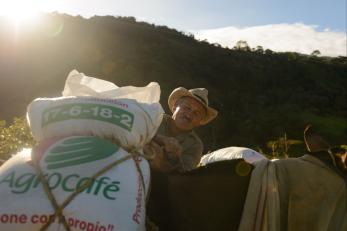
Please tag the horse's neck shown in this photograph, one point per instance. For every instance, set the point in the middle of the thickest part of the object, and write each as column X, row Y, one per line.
column 334, row 161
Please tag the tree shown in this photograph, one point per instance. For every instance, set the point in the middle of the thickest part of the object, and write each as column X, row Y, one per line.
column 259, row 49
column 268, row 52
column 315, row 53
column 242, row 45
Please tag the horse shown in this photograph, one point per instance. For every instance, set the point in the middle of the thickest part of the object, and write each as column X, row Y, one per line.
column 212, row 197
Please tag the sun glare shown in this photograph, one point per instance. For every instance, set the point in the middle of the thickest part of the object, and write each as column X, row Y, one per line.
column 19, row 11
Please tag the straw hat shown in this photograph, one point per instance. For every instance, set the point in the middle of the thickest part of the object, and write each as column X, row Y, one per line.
column 200, row 94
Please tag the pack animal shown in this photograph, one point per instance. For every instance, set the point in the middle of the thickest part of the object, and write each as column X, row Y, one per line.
column 213, row 197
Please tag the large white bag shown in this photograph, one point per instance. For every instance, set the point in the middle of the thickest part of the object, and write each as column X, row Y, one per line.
column 90, row 106
column 230, row 153
column 114, row 201
column 78, row 84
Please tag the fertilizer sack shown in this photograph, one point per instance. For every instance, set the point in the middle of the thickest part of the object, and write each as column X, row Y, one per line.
column 90, row 106
column 130, row 123
column 113, row 201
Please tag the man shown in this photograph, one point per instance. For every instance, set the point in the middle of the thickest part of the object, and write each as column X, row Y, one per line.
column 176, row 146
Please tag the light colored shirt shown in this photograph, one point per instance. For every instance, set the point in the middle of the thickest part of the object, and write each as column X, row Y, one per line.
column 192, row 146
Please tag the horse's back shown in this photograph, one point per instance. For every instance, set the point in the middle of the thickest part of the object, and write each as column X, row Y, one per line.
column 207, row 198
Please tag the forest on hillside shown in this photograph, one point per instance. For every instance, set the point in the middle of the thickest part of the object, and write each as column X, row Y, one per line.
column 261, row 95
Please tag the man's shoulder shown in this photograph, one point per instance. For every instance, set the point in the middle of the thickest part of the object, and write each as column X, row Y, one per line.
column 191, row 139
column 196, row 137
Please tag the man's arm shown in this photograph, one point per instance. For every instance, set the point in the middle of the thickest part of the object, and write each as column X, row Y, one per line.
column 190, row 157
column 171, row 156
column 163, row 161
column 172, row 148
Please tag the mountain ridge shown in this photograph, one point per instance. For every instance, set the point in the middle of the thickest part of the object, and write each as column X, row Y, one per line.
column 260, row 95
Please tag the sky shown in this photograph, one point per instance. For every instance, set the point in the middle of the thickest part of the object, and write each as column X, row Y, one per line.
column 280, row 25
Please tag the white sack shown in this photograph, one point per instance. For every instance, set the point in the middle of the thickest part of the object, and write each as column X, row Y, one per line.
column 130, row 123
column 114, row 201
column 78, row 84
column 91, row 106
column 229, row 153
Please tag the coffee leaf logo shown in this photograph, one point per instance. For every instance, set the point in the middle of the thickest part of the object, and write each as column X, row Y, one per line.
column 79, row 150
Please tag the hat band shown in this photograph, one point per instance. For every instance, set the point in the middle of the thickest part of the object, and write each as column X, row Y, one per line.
column 202, row 99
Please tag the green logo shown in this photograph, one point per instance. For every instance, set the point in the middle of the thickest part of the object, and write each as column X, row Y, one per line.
column 79, row 150
column 89, row 111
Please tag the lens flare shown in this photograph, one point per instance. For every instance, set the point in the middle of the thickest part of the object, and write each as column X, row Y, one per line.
column 19, row 11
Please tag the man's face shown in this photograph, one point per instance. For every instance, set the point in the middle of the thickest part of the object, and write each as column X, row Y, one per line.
column 188, row 113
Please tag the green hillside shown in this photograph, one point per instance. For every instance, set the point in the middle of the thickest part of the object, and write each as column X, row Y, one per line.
column 261, row 95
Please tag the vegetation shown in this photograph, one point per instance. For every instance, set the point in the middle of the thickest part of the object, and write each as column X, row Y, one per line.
column 260, row 94
column 280, row 147
column 14, row 137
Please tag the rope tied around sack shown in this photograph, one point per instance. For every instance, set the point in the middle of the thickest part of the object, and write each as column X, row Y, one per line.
column 59, row 208
column 51, row 198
